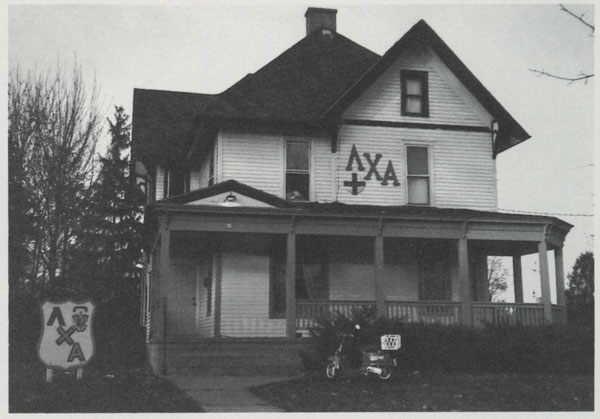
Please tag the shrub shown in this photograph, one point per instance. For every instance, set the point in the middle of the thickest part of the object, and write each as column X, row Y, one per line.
column 552, row 349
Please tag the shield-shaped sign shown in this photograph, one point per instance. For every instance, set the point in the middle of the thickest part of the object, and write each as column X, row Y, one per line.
column 67, row 341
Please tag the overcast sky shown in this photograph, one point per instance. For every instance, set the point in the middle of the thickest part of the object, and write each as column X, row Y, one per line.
column 205, row 48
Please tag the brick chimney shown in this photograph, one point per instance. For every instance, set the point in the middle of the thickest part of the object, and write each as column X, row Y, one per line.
column 319, row 18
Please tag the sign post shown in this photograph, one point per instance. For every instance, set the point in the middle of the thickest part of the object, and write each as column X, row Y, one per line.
column 67, row 342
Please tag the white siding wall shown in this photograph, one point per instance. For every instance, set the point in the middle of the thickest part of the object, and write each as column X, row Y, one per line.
column 462, row 168
column 449, row 102
column 205, row 324
column 195, row 179
column 322, row 170
column 204, row 172
column 160, row 182
column 245, row 297
column 256, row 160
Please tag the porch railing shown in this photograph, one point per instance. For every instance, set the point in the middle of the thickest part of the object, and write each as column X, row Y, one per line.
column 425, row 311
column 508, row 313
column 441, row 312
column 307, row 311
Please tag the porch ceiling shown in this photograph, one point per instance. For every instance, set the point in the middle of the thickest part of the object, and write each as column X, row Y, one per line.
column 435, row 223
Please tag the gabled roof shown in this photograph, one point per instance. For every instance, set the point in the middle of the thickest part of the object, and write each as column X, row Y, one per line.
column 229, row 186
column 162, row 121
column 300, row 84
column 511, row 132
column 313, row 81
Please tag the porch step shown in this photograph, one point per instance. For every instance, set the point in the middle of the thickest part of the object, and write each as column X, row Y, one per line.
column 229, row 356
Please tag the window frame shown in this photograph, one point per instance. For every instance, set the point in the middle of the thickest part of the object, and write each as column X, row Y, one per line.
column 307, row 172
column 429, row 176
column 423, row 77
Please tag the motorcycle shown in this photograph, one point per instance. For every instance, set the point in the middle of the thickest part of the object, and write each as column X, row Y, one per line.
column 379, row 362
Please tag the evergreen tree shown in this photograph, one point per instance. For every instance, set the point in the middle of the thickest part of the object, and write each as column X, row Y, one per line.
column 580, row 294
column 113, row 232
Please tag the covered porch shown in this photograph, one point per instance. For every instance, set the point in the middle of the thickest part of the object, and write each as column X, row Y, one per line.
column 417, row 264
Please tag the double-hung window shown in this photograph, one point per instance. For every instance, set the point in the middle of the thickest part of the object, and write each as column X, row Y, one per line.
column 415, row 93
column 417, row 175
column 297, row 169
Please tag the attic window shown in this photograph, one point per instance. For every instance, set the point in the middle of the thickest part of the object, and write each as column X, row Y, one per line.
column 415, row 93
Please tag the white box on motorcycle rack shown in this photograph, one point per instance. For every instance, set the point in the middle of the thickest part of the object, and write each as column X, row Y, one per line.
column 390, row 342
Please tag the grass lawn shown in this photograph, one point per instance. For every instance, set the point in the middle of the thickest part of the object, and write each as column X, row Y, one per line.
column 433, row 392
column 114, row 390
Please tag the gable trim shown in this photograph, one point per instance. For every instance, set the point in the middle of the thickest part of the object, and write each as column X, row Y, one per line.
column 510, row 133
column 415, row 125
column 229, row 186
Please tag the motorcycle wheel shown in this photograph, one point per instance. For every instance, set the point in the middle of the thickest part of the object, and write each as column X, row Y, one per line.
column 330, row 370
column 386, row 373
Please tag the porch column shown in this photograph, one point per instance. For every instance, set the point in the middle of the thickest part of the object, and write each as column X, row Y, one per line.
column 560, row 276
column 164, row 272
column 545, row 280
column 517, row 278
column 379, row 278
column 290, row 286
column 464, row 282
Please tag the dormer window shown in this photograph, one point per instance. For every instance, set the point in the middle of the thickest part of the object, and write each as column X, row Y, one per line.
column 297, row 170
column 415, row 93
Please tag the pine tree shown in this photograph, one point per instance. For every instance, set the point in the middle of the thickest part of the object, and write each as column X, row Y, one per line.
column 580, row 294
column 114, row 227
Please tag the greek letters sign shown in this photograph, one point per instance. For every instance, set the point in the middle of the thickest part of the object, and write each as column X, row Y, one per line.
column 67, row 341
column 356, row 186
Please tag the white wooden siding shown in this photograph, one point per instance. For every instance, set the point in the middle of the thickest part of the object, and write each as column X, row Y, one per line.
column 195, row 179
column 462, row 168
column 449, row 102
column 205, row 324
column 160, row 183
column 256, row 160
column 245, row 297
column 321, row 175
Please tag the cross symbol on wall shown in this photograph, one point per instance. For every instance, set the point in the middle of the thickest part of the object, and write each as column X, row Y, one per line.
column 354, row 184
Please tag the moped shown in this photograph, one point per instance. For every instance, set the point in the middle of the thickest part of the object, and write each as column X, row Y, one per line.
column 379, row 362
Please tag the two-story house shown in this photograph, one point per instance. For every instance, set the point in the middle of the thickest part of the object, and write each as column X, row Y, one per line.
column 332, row 178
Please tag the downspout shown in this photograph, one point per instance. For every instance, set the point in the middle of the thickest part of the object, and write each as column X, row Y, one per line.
column 494, row 128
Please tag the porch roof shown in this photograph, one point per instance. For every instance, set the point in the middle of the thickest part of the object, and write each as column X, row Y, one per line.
column 366, row 220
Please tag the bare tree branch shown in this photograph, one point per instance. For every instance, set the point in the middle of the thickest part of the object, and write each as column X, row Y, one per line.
column 579, row 18
column 582, row 76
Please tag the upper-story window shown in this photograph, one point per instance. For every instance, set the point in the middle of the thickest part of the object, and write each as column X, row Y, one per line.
column 297, row 169
column 174, row 182
column 417, row 175
column 415, row 93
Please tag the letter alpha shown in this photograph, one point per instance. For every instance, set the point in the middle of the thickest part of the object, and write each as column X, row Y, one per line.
column 76, row 352
column 354, row 156
column 390, row 174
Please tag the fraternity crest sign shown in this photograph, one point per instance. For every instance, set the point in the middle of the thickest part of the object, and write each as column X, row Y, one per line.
column 67, row 341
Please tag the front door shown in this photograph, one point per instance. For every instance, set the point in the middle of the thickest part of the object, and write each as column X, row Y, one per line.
column 182, row 298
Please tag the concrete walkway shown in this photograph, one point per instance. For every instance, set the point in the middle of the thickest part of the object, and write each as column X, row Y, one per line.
column 225, row 393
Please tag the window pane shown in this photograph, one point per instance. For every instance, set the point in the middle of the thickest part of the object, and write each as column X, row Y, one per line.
column 417, row 162
column 413, row 87
column 414, row 105
column 297, row 186
column 418, row 190
column 296, row 155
